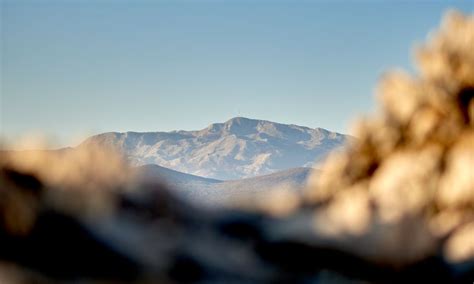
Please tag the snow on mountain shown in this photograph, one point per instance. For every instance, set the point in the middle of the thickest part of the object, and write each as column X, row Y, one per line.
column 238, row 148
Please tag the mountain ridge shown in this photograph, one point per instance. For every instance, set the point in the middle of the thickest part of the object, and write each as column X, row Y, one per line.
column 237, row 148
column 213, row 192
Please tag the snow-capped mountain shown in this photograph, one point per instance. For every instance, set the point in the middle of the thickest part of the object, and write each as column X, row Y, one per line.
column 238, row 148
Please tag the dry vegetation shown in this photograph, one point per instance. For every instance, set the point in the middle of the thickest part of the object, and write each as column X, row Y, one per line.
column 412, row 169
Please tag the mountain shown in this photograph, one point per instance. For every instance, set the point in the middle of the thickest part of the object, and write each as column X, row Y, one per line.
column 217, row 192
column 175, row 179
column 238, row 148
column 255, row 188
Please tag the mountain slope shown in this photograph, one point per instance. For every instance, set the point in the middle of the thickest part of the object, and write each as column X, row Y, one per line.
column 173, row 178
column 215, row 192
column 229, row 192
column 238, row 148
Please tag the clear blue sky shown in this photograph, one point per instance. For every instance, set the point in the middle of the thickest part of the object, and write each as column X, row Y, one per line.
column 75, row 67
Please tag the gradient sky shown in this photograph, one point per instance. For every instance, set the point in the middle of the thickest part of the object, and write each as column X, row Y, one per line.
column 71, row 68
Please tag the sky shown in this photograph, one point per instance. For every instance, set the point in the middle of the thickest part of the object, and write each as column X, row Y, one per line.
column 75, row 68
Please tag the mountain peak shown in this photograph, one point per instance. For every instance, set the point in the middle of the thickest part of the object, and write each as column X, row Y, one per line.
column 235, row 125
column 241, row 126
column 239, row 119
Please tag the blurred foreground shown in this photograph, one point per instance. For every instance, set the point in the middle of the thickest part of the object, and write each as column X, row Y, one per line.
column 397, row 205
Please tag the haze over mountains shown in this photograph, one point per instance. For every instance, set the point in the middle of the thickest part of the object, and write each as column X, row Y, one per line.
column 238, row 148
column 214, row 192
